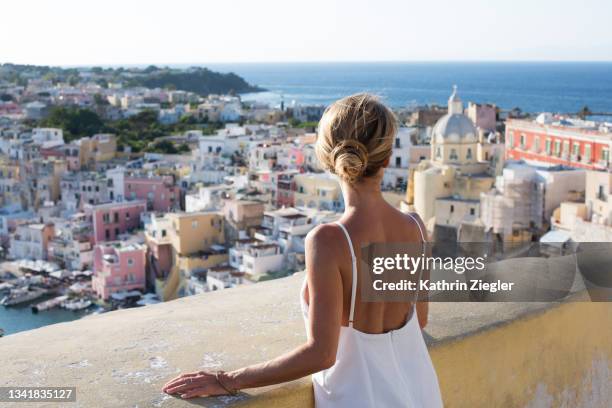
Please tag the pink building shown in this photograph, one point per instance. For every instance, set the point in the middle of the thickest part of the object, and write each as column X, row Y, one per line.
column 296, row 157
column 160, row 192
column 118, row 267
column 111, row 220
column 285, row 190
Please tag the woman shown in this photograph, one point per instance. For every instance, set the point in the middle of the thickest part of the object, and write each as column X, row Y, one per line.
column 361, row 354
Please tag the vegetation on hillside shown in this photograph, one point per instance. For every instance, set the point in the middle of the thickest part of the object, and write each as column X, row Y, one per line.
column 199, row 80
column 138, row 131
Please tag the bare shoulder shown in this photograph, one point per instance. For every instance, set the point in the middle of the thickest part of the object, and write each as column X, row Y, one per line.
column 418, row 223
column 411, row 222
column 324, row 236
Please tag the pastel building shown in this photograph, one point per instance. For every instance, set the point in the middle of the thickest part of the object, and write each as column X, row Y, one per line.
column 242, row 217
column 555, row 140
column 256, row 258
column 113, row 219
column 118, row 267
column 589, row 220
column 447, row 188
column 181, row 244
column 405, row 156
column 31, row 241
column 159, row 192
column 48, row 137
column 285, row 188
column 318, row 190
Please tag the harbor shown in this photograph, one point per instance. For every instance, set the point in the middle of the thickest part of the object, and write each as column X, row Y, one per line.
column 38, row 293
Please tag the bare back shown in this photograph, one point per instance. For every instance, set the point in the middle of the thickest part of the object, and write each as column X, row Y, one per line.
column 384, row 224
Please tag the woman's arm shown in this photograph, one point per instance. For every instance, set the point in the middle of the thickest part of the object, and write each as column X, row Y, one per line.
column 319, row 351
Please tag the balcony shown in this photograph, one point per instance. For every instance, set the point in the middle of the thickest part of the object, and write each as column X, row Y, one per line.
column 486, row 355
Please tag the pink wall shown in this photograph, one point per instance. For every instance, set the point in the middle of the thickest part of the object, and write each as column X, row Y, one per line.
column 297, row 157
column 128, row 273
column 120, row 218
column 160, row 192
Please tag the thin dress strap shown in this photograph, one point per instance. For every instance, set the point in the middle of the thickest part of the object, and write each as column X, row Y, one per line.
column 354, row 267
column 423, row 242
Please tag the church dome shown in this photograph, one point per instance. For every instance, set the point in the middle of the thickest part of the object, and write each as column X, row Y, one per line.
column 454, row 127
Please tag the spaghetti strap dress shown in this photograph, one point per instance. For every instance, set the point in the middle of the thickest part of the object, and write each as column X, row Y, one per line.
column 391, row 369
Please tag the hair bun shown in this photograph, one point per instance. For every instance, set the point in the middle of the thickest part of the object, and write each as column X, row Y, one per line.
column 350, row 158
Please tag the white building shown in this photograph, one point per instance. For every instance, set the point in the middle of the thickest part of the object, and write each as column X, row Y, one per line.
column 30, row 241
column 256, row 258
column 48, row 137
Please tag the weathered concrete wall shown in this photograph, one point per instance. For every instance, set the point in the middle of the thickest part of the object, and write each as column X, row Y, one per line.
column 486, row 355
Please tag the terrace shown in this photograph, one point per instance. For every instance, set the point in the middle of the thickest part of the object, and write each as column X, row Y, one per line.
column 485, row 354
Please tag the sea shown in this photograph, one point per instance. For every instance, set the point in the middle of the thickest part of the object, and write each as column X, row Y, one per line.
column 15, row 319
column 562, row 87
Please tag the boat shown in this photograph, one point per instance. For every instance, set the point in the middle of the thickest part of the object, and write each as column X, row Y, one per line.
column 5, row 288
column 76, row 304
column 1, row 332
column 22, row 295
column 49, row 304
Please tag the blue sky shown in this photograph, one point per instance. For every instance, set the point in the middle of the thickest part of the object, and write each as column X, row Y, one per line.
column 85, row 32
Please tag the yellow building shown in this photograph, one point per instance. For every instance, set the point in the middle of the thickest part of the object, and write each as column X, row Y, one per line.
column 446, row 189
column 9, row 182
column 182, row 243
column 318, row 190
column 98, row 148
column 195, row 232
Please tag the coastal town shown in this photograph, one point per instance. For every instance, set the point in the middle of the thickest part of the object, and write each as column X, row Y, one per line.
column 126, row 187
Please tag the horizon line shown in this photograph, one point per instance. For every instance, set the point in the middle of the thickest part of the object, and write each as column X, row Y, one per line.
column 203, row 64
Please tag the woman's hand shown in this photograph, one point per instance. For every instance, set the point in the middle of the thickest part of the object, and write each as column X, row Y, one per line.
column 191, row 385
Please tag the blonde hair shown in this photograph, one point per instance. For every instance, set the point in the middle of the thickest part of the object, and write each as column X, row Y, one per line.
column 355, row 137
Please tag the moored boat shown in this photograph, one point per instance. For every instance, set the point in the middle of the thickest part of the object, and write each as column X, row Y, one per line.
column 76, row 304
column 22, row 295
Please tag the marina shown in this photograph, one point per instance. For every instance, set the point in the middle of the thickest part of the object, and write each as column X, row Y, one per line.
column 38, row 293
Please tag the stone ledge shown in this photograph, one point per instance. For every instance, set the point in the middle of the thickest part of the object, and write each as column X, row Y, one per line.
column 122, row 358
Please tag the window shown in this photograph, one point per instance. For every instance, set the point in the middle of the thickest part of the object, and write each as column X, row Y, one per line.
column 536, row 144
column 130, row 262
column 576, row 149
column 452, row 208
column 127, row 215
column 107, row 233
column 548, row 146
column 116, row 232
column 566, row 147
column 468, row 155
column 557, row 148
column 438, row 152
column 116, row 217
column 398, row 162
column 511, row 139
column 605, row 155
column 453, row 154
column 523, row 141
column 106, row 218
column 194, row 224
column 397, row 143
column 587, row 152
column 472, row 211
column 163, row 233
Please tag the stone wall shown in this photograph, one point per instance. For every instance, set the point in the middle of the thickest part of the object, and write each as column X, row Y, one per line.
column 486, row 355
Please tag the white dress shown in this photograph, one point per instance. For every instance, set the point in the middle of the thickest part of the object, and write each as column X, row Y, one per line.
column 390, row 369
